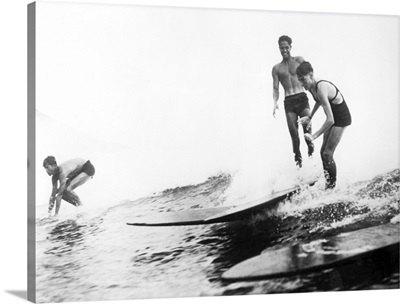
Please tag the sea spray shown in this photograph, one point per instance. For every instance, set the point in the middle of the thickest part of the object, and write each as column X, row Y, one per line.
column 76, row 249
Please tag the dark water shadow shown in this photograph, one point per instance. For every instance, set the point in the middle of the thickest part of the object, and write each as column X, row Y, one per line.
column 18, row 293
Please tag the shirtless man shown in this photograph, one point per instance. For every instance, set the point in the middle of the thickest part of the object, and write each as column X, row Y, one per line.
column 296, row 100
column 70, row 174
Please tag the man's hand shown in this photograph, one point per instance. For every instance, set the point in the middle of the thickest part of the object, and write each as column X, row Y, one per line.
column 306, row 120
column 51, row 204
column 276, row 107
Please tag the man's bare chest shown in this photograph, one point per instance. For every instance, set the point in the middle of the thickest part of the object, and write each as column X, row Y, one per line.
column 287, row 71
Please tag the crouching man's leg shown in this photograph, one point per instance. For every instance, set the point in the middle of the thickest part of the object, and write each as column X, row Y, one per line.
column 69, row 194
column 72, row 198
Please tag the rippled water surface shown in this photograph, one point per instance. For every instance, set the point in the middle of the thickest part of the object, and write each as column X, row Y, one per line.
column 95, row 256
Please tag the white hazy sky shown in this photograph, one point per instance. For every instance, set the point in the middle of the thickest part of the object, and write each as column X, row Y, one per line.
column 188, row 91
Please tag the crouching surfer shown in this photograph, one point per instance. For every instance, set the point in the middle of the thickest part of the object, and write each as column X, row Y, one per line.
column 66, row 177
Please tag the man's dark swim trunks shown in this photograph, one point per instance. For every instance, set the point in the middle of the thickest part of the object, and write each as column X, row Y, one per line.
column 296, row 103
column 87, row 168
column 341, row 113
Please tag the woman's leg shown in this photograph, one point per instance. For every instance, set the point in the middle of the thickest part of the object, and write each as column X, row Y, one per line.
column 332, row 138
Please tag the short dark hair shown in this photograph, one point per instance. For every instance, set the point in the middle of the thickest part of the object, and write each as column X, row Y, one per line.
column 285, row 38
column 304, row 68
column 50, row 160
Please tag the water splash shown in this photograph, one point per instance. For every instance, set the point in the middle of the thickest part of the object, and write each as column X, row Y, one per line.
column 77, row 248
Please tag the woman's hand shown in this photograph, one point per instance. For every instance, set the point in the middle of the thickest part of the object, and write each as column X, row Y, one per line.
column 309, row 137
column 306, row 120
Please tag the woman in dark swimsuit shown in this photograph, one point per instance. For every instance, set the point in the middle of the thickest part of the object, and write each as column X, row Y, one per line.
column 338, row 117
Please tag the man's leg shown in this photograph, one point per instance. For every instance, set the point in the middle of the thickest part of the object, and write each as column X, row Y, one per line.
column 310, row 144
column 291, row 119
column 332, row 138
column 71, row 196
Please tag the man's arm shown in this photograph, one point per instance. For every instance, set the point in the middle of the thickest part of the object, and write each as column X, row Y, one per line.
column 275, row 79
column 300, row 59
column 60, row 194
column 53, row 195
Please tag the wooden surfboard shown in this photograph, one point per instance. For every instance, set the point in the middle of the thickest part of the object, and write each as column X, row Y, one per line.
column 189, row 217
column 214, row 215
column 318, row 254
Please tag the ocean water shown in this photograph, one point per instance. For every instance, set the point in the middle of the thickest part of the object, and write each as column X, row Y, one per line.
column 85, row 255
